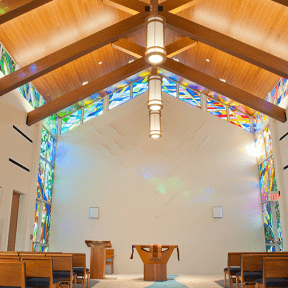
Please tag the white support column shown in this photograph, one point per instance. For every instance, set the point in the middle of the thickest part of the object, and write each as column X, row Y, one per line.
column 203, row 102
column 177, row 90
column 280, row 181
column 228, row 114
column 106, row 104
column 251, row 124
column 82, row 115
column 131, row 91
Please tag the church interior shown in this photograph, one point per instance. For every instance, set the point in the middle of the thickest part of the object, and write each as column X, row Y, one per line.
column 144, row 143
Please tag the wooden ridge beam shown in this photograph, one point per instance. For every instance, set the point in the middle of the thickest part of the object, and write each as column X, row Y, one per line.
column 71, row 53
column 129, row 6
column 86, row 91
column 21, row 8
column 227, row 44
column 176, row 6
column 283, row 2
column 225, row 89
column 138, row 51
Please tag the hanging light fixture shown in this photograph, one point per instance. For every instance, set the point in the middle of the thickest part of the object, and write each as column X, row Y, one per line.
column 155, row 45
column 155, row 92
column 155, row 124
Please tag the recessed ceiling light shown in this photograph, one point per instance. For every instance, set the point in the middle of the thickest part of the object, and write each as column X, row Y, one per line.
column 223, row 80
column 100, row 63
column 176, row 59
column 85, row 82
column 207, row 60
column 131, row 61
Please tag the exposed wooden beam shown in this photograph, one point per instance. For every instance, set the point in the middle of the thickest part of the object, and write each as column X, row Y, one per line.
column 227, row 44
column 154, row 7
column 225, row 89
column 138, row 51
column 19, row 8
column 129, row 6
column 176, row 6
column 283, row 2
column 180, row 46
column 129, row 47
column 70, row 53
column 86, row 91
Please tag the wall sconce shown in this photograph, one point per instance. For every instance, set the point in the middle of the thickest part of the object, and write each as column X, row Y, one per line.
column 217, row 212
column 94, row 213
column 155, row 45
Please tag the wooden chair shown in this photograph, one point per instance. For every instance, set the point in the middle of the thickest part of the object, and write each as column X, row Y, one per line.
column 39, row 272
column 12, row 274
column 274, row 273
column 110, row 255
column 79, row 267
column 63, row 268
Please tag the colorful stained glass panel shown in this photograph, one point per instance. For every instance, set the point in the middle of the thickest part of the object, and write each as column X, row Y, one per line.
column 169, row 87
column 272, row 185
column 119, row 97
column 34, row 98
column 285, row 87
column 239, row 119
column 25, row 91
column 279, row 229
column 216, row 108
column 93, row 110
column 270, row 248
column 51, row 123
column 189, row 96
column 259, row 120
column 268, row 222
column 49, row 182
column 260, row 146
column 276, row 93
column 36, row 217
column 41, row 178
column 7, row 64
column 71, row 121
column 45, row 223
column 89, row 100
column 44, row 142
column 264, row 179
column 68, row 110
column 51, row 149
column 268, row 141
column 140, row 87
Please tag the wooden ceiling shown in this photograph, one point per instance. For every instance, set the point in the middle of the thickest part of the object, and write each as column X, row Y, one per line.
column 57, row 24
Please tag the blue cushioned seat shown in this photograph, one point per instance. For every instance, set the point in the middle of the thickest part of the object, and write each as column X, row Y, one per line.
column 233, row 269
column 250, row 275
column 274, row 282
column 62, row 274
column 80, row 270
column 40, row 281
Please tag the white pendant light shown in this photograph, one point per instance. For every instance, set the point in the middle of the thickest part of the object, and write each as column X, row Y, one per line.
column 155, row 92
column 155, row 45
column 155, row 124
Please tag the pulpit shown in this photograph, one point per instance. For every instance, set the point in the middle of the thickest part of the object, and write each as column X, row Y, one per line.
column 155, row 258
column 98, row 258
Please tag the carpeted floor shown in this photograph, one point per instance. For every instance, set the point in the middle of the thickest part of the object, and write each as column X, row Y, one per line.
column 91, row 284
column 221, row 283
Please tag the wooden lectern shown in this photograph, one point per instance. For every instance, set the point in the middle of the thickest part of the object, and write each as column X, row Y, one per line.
column 155, row 258
column 98, row 258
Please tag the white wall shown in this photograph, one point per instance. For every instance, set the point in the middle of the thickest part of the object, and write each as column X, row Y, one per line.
column 158, row 191
column 13, row 111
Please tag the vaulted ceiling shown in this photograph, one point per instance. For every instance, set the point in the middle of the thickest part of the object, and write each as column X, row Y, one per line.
column 59, row 23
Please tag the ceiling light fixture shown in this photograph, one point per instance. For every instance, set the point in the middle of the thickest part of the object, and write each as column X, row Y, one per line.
column 131, row 61
column 207, row 60
column 223, row 80
column 85, row 82
column 155, row 124
column 100, row 63
column 155, row 45
column 155, row 92
column 176, row 59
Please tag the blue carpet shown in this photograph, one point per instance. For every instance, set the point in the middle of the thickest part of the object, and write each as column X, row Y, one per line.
column 170, row 283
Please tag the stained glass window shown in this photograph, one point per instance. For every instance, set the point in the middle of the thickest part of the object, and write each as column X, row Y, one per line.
column 285, row 87
column 119, row 97
column 44, row 142
column 264, row 180
column 189, row 96
column 51, row 149
column 140, row 87
column 93, row 110
column 48, row 182
column 45, row 223
column 89, row 100
column 272, row 186
column 51, row 123
column 279, row 229
column 276, row 93
column 169, row 87
column 216, row 108
column 239, row 119
column 34, row 98
column 41, row 178
column 268, row 222
column 7, row 64
column 70, row 121
column 68, row 110
column 25, row 91
column 259, row 120
column 36, row 216
column 270, row 248
column 260, row 146
column 268, row 141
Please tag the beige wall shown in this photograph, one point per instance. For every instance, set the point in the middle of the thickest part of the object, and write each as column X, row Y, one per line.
column 13, row 111
column 158, row 191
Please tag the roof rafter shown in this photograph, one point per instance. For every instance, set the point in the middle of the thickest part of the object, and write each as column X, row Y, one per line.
column 176, row 6
column 86, row 91
column 22, row 8
column 283, row 2
column 225, row 89
column 70, row 53
column 227, row 44
column 129, row 6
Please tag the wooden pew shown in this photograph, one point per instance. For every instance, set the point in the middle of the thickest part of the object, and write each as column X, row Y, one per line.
column 39, row 272
column 274, row 268
column 110, row 255
column 79, row 267
column 12, row 274
column 63, row 268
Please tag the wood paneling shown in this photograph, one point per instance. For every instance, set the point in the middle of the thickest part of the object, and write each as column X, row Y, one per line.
column 129, row 6
column 21, row 8
column 176, row 6
column 86, row 91
column 225, row 89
